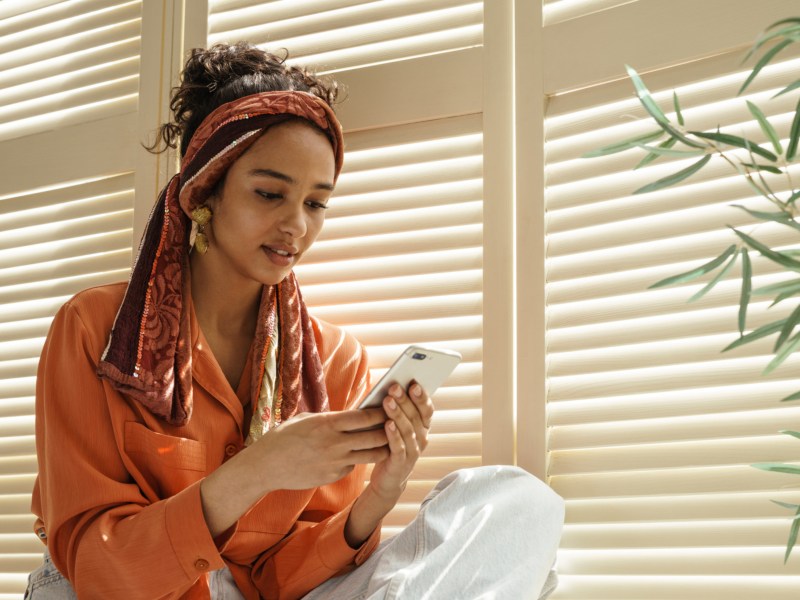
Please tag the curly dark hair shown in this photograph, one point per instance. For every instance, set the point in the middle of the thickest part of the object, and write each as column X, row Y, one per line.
column 224, row 72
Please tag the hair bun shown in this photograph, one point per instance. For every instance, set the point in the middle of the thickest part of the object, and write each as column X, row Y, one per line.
column 224, row 72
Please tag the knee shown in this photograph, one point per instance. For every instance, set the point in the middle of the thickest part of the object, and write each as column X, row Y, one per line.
column 512, row 487
column 527, row 493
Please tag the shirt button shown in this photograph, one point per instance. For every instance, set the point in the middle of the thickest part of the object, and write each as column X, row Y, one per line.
column 201, row 564
column 231, row 449
column 41, row 533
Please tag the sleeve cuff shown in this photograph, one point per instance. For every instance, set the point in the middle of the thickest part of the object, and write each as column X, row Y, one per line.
column 194, row 548
column 332, row 548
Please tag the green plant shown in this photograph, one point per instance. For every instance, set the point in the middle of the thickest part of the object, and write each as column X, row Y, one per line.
column 755, row 163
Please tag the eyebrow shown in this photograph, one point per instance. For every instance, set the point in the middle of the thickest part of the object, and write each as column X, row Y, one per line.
column 286, row 178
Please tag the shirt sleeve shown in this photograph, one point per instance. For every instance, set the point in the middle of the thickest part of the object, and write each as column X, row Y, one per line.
column 315, row 549
column 102, row 533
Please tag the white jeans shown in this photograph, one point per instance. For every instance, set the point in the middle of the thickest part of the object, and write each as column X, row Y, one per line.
column 490, row 533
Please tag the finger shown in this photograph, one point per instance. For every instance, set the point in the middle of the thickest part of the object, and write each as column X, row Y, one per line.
column 353, row 420
column 397, row 446
column 399, row 422
column 368, row 457
column 404, row 402
column 419, row 396
column 362, row 440
column 418, row 422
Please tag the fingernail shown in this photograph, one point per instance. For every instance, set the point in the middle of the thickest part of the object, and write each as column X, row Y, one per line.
column 392, row 404
column 416, row 390
column 392, row 426
column 396, row 391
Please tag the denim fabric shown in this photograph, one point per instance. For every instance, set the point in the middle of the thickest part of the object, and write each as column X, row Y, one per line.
column 47, row 583
column 222, row 585
column 489, row 533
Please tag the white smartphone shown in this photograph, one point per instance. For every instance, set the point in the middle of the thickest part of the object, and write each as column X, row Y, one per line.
column 427, row 366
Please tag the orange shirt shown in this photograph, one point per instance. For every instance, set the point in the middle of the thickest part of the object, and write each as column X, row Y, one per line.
column 118, row 490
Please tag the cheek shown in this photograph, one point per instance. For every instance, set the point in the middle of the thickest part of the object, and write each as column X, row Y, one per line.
column 314, row 226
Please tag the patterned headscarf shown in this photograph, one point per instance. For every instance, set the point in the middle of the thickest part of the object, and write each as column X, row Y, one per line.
column 149, row 353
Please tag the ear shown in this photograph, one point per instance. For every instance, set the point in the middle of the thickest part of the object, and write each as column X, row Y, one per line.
column 215, row 196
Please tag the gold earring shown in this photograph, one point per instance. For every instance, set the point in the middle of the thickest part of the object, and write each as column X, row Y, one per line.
column 202, row 216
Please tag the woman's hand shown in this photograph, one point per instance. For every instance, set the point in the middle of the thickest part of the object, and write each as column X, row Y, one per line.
column 307, row 451
column 406, row 429
column 410, row 413
column 311, row 449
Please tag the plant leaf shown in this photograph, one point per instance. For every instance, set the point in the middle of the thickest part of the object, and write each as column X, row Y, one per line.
column 668, row 143
column 675, row 177
column 783, row 296
column 788, row 327
column 774, row 256
column 789, row 88
column 671, row 152
column 646, row 98
column 784, row 218
column 767, row 168
column 794, row 134
column 793, row 198
column 763, row 62
column 695, row 273
column 778, row 468
column 654, row 111
column 766, row 37
column 621, row 146
column 794, row 434
column 784, row 353
column 792, row 536
column 795, row 396
column 792, row 284
column 786, row 504
column 677, row 106
column 716, row 279
column 786, row 20
column 756, row 334
column 739, row 142
column 747, row 280
column 766, row 127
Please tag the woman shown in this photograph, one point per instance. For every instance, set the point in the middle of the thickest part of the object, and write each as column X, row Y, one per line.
column 191, row 427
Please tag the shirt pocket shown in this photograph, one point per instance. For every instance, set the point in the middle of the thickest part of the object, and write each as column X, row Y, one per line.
column 166, row 464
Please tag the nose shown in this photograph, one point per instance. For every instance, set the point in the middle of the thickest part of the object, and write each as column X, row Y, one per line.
column 293, row 220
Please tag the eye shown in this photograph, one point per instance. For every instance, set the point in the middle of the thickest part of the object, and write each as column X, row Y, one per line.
column 314, row 205
column 269, row 195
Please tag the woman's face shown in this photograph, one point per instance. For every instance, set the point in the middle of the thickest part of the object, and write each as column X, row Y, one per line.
column 271, row 206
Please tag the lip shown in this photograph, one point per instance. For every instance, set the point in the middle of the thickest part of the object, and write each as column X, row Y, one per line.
column 282, row 247
column 276, row 259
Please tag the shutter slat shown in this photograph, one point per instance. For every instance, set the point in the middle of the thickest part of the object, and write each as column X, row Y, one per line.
column 599, row 587
column 436, row 194
column 469, row 36
column 645, row 431
column 731, row 451
column 67, row 249
column 69, row 65
column 91, row 18
column 675, row 481
column 680, row 561
column 635, row 404
column 674, row 507
column 360, row 269
column 79, row 42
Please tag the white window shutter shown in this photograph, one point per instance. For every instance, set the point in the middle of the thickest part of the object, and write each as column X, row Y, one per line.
column 69, row 75
column 652, row 429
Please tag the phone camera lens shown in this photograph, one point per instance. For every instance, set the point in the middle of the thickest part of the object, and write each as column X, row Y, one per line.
column 419, row 356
